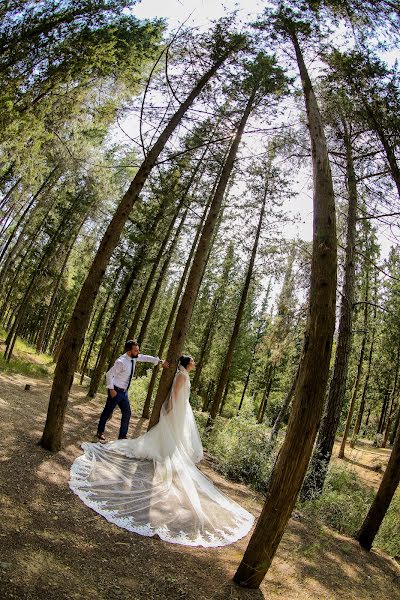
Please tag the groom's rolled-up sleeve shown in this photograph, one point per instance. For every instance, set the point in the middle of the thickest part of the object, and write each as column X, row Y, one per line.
column 151, row 359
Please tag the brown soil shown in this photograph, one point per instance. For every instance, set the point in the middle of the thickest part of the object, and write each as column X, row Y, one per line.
column 54, row 547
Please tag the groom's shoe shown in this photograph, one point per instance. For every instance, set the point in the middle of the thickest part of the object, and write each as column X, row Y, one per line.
column 101, row 437
column 123, row 438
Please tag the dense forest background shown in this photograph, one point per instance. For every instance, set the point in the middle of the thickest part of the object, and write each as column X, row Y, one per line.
column 149, row 186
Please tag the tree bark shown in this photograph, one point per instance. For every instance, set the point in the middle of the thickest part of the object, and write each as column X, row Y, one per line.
column 392, row 402
column 385, row 493
column 224, row 373
column 194, row 279
column 361, row 409
column 146, row 407
column 281, row 415
column 292, row 461
column 315, row 477
column 74, row 335
column 358, row 377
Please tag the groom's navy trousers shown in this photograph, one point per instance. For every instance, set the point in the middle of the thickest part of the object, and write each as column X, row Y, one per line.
column 121, row 400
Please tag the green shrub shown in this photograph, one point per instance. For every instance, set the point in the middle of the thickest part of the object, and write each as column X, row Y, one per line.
column 242, row 450
column 388, row 538
column 343, row 503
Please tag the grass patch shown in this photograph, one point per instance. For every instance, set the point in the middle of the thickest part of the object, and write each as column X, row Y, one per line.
column 344, row 503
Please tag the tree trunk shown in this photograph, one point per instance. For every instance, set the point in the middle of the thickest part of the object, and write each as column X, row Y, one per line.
column 160, row 279
column 47, row 253
column 43, row 329
column 382, row 418
column 75, row 333
column 358, row 377
column 209, row 330
column 146, row 407
column 96, row 328
column 281, row 415
column 149, row 282
column 361, row 409
column 385, row 493
column 199, row 261
column 265, row 396
column 224, row 373
column 392, row 402
column 224, row 398
column 292, row 461
column 321, row 457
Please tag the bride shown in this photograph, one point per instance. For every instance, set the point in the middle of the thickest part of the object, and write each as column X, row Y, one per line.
column 150, row 485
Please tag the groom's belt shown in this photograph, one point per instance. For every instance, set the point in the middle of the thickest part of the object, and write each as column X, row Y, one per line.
column 119, row 389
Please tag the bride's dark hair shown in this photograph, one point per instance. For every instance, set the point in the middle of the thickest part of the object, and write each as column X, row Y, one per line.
column 184, row 360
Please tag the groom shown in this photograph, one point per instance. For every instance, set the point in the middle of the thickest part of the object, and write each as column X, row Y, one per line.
column 118, row 380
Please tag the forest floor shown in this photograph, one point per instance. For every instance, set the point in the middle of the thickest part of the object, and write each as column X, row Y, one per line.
column 54, row 547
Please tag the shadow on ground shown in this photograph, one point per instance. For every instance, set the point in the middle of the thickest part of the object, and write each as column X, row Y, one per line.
column 54, row 547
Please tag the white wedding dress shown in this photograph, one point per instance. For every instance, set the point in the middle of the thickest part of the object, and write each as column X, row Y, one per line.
column 151, row 485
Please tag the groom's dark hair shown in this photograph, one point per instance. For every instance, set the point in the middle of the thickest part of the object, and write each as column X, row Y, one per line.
column 129, row 344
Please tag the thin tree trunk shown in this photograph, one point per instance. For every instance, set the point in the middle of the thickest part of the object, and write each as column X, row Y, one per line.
column 292, row 461
column 199, row 261
column 26, row 210
column 150, row 279
column 382, row 418
column 224, row 373
column 75, row 333
column 265, row 397
column 392, row 402
column 361, row 409
column 281, row 415
column 96, row 328
column 383, row 498
column 9, row 193
column 224, row 398
column 358, row 378
column 396, row 426
column 321, row 457
column 24, row 304
column 146, row 407
column 43, row 328
column 160, row 279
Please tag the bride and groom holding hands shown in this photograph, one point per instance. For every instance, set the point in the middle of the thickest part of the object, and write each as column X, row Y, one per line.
column 151, row 485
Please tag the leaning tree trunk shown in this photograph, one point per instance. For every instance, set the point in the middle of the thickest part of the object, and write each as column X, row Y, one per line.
column 199, row 261
column 315, row 478
column 224, row 373
column 361, row 408
column 385, row 493
column 160, row 279
column 358, row 376
column 146, row 407
column 392, row 408
column 75, row 333
column 265, row 397
column 285, row 406
column 47, row 253
column 105, row 350
column 292, row 461
column 250, row 369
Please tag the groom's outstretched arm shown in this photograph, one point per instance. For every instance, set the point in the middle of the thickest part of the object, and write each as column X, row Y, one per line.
column 152, row 359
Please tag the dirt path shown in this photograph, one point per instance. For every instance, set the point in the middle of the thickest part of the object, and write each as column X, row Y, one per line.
column 54, row 547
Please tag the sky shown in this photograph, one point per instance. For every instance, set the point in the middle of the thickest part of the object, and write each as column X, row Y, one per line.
column 200, row 13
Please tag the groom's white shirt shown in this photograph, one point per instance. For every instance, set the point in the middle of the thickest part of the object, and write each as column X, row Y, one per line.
column 119, row 373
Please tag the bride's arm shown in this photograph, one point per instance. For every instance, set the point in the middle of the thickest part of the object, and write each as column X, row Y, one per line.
column 177, row 386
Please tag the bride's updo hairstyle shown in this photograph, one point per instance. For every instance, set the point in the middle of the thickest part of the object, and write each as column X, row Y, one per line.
column 184, row 360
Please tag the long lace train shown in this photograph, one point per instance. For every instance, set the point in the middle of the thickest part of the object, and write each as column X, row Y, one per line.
column 150, row 485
